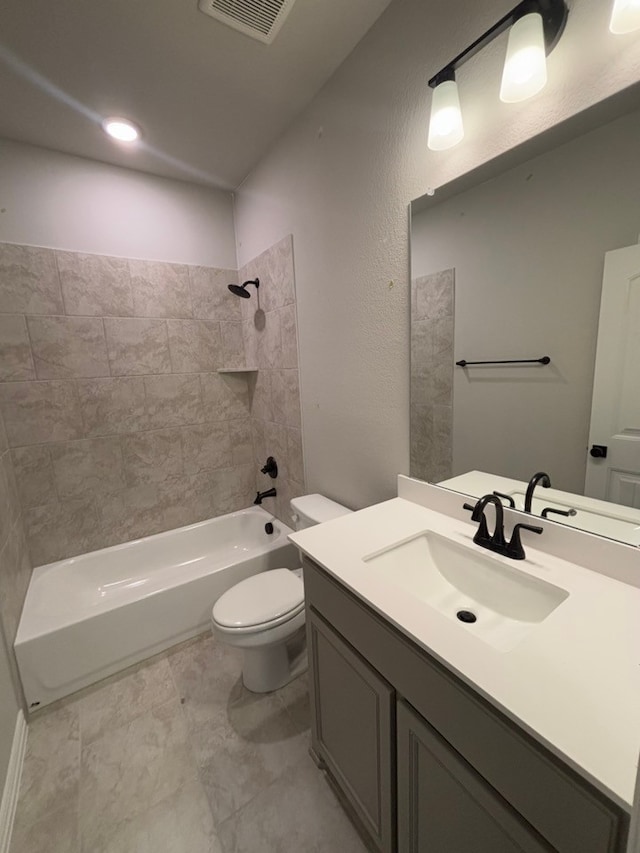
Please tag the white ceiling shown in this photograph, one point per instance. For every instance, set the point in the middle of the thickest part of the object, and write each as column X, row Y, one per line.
column 210, row 100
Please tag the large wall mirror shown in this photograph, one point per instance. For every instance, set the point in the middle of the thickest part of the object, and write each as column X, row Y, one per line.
column 511, row 267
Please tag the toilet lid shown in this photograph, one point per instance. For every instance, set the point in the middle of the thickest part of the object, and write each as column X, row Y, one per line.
column 261, row 598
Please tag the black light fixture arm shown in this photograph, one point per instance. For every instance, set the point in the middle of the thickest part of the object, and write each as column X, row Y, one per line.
column 554, row 15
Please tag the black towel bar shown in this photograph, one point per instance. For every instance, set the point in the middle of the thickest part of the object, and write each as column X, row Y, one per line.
column 544, row 360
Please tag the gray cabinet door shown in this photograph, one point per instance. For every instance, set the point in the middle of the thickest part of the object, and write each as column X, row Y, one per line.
column 353, row 729
column 444, row 806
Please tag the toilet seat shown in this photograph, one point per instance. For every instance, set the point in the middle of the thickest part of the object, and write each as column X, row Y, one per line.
column 260, row 602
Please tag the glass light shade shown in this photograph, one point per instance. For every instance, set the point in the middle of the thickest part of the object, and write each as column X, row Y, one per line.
column 525, row 66
column 445, row 126
column 120, row 129
column 625, row 17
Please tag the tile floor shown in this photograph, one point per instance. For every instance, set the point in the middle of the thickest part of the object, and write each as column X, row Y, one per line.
column 175, row 756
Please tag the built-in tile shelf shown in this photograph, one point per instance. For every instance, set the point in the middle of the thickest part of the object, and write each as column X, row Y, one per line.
column 237, row 370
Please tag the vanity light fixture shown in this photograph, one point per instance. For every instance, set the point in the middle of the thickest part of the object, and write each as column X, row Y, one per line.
column 535, row 28
column 625, row 17
column 121, row 129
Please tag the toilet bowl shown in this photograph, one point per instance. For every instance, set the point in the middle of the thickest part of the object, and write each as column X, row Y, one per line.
column 264, row 615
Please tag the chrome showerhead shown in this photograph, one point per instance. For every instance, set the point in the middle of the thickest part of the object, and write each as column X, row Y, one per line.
column 241, row 289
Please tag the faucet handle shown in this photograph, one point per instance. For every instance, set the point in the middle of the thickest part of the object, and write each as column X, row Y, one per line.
column 514, row 549
column 508, row 498
column 567, row 514
column 482, row 534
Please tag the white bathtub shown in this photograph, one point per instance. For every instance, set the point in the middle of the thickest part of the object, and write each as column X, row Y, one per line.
column 90, row 616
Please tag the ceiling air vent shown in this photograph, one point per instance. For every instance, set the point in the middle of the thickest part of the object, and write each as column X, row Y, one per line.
column 260, row 19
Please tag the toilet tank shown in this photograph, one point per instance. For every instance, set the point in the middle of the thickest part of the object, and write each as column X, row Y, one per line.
column 314, row 509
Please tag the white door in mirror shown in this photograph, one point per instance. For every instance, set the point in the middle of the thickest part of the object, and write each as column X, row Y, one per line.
column 613, row 467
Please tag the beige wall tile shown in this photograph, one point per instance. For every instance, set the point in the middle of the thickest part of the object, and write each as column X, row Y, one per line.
column 37, row 412
column 6, row 508
column 59, row 530
column 288, row 326
column 276, row 445
column 432, row 295
column 225, row 396
column 270, row 342
column 261, row 395
column 233, row 488
column 137, row 346
column 160, row 289
column 68, row 347
column 15, row 574
column 29, row 281
column 15, row 350
column 89, row 467
column 130, row 514
column 111, row 406
column 34, row 475
column 250, row 342
column 206, row 446
column 259, row 441
column 295, row 465
column 95, row 284
column 292, row 398
column 195, row 345
column 232, row 345
column 211, row 298
column 274, row 268
column 241, row 441
column 151, row 457
column 173, row 400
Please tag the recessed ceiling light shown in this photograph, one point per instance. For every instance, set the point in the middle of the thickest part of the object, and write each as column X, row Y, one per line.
column 121, row 129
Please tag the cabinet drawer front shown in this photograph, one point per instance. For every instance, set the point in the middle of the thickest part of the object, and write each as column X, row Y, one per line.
column 562, row 807
column 354, row 726
column 443, row 805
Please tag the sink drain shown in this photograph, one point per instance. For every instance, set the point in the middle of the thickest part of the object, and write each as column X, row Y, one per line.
column 466, row 616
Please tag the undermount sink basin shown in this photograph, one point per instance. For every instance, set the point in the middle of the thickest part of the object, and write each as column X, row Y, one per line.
column 463, row 583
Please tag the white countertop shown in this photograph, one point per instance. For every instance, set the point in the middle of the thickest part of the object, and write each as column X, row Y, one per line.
column 573, row 682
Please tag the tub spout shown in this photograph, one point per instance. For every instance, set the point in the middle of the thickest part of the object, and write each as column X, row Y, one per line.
column 270, row 493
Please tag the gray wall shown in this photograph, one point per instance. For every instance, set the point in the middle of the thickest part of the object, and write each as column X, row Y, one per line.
column 341, row 178
column 528, row 250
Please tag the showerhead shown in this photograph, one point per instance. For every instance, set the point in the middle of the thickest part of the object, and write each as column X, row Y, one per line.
column 241, row 289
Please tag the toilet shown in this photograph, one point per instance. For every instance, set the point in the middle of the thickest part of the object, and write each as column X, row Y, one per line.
column 264, row 614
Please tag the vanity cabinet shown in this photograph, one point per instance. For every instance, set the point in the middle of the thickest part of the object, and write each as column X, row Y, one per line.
column 424, row 763
column 353, row 711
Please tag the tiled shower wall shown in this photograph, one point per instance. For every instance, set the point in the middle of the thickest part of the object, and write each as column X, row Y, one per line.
column 431, row 417
column 15, row 568
column 271, row 345
column 118, row 424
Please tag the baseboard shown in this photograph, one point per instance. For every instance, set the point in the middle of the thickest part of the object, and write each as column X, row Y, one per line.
column 9, row 800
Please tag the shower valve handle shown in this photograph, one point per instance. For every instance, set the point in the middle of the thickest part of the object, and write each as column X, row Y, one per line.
column 271, row 468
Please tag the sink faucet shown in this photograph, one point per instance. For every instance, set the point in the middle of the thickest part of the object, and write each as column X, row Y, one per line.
column 482, row 538
column 497, row 542
column 544, row 481
column 270, row 493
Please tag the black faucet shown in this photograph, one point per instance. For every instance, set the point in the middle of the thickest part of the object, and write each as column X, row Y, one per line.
column 497, row 542
column 544, row 481
column 482, row 537
column 270, row 493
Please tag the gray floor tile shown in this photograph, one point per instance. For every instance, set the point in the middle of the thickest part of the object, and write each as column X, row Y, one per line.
column 57, row 832
column 129, row 770
column 52, row 765
column 118, row 700
column 205, row 672
column 242, row 755
column 180, row 824
column 294, row 698
column 297, row 813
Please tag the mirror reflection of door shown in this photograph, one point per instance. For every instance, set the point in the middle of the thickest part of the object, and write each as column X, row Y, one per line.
column 613, row 466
